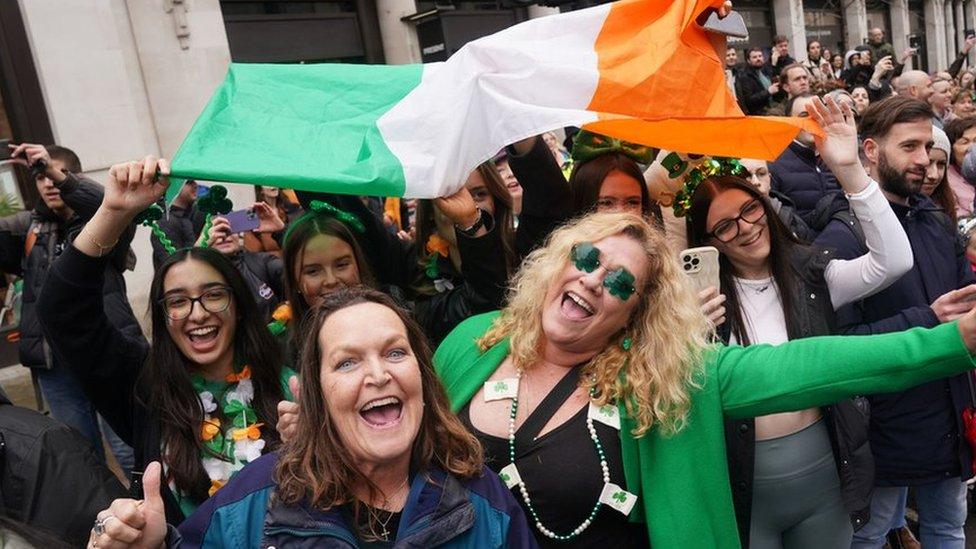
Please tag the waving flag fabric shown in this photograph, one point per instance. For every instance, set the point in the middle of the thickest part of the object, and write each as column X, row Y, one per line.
column 640, row 70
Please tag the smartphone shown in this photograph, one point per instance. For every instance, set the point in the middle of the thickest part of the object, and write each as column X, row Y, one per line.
column 914, row 42
column 243, row 221
column 701, row 266
column 969, row 33
column 4, row 149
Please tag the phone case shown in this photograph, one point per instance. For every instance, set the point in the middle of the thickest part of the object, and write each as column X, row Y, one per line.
column 242, row 221
column 701, row 266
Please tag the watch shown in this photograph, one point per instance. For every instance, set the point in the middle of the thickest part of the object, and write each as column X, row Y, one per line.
column 473, row 229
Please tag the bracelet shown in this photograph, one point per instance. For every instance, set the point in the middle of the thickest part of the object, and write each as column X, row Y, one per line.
column 102, row 250
column 473, row 229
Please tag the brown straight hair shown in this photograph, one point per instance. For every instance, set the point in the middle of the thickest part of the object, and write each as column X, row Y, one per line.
column 315, row 467
column 879, row 117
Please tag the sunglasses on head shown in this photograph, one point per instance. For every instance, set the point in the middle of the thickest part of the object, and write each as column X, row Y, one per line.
column 619, row 282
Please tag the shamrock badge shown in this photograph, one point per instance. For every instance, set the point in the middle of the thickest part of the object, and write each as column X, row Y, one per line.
column 216, row 201
column 620, row 496
column 501, row 387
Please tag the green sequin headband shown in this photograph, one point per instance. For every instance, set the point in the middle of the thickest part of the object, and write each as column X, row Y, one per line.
column 712, row 167
column 588, row 145
column 318, row 208
column 215, row 203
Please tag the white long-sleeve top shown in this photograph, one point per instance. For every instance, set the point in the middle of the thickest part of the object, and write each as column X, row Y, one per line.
column 889, row 257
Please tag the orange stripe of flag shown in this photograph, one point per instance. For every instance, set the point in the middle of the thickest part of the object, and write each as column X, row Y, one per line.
column 658, row 66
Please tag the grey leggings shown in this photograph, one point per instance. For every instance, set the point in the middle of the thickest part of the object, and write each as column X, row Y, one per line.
column 796, row 502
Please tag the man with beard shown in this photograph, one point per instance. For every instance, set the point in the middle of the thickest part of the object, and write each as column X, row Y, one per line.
column 754, row 86
column 915, row 435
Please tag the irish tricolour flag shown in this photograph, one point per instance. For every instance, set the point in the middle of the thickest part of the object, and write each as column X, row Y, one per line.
column 640, row 70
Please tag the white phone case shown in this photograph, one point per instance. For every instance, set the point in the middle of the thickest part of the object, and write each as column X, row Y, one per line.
column 701, row 266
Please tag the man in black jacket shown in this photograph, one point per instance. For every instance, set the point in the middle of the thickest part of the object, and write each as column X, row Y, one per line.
column 50, row 477
column 29, row 244
column 916, row 435
column 754, row 86
column 779, row 55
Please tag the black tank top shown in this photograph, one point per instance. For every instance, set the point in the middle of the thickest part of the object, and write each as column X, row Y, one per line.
column 562, row 472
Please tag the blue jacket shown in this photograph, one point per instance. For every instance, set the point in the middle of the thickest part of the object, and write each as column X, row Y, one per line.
column 441, row 511
column 916, row 435
column 799, row 174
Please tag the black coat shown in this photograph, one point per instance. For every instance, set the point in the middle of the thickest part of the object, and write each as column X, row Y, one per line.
column 30, row 242
column 801, row 176
column 753, row 96
column 264, row 275
column 50, row 477
column 916, row 435
column 106, row 363
column 182, row 226
column 847, row 420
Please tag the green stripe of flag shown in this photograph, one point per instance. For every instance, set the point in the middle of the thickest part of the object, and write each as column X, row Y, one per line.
column 307, row 127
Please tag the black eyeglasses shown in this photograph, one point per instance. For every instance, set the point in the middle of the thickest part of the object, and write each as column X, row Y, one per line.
column 214, row 300
column 727, row 229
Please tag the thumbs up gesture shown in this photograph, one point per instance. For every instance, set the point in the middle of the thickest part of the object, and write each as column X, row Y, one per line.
column 139, row 524
column 288, row 413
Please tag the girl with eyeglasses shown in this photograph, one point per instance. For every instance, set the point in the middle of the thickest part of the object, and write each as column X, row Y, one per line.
column 202, row 398
column 800, row 479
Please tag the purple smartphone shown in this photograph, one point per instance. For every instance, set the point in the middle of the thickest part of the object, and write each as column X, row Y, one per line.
column 243, row 221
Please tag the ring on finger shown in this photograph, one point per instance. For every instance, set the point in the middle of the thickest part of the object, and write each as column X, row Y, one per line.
column 99, row 527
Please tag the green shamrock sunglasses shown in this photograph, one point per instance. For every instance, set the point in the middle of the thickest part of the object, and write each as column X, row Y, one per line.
column 619, row 282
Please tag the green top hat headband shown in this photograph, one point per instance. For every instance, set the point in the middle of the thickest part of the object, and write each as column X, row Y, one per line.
column 588, row 145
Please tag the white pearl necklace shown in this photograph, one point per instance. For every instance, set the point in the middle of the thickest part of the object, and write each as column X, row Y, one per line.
column 524, row 490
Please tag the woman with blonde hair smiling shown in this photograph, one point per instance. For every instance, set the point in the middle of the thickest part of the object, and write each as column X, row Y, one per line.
column 601, row 357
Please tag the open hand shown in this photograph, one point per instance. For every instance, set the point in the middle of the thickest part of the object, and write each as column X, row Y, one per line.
column 838, row 145
column 270, row 222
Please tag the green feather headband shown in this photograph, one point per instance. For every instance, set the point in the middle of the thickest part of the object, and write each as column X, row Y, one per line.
column 712, row 167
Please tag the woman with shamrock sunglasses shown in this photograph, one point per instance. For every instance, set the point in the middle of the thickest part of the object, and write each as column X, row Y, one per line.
column 600, row 402
column 202, row 398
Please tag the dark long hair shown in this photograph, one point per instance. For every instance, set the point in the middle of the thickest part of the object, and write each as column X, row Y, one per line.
column 316, row 467
column 171, row 396
column 781, row 245
column 943, row 195
column 504, row 221
column 303, row 230
column 586, row 179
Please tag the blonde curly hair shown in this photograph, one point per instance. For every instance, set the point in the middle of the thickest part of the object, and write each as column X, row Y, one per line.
column 667, row 329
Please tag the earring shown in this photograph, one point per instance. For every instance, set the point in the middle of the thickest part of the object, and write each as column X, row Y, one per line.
column 626, row 343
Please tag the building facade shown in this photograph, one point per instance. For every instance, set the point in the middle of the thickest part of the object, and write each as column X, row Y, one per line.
column 117, row 79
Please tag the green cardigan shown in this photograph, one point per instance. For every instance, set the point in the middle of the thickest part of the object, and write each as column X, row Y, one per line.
column 682, row 480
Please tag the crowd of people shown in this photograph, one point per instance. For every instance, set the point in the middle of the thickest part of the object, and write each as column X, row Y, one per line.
column 524, row 362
